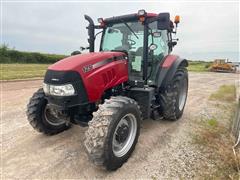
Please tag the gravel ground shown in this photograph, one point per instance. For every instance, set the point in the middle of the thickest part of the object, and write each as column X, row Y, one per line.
column 164, row 149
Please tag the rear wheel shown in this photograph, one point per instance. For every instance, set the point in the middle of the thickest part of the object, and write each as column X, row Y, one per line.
column 113, row 132
column 42, row 118
column 174, row 96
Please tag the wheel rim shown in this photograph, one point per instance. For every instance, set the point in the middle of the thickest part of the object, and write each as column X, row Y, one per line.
column 51, row 118
column 124, row 135
column 182, row 94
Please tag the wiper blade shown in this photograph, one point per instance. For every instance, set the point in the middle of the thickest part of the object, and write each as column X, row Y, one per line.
column 130, row 29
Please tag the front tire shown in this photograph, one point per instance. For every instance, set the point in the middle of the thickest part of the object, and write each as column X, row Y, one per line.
column 113, row 132
column 40, row 118
column 174, row 96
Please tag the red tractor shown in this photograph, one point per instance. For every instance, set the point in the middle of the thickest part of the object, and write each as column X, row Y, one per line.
column 132, row 77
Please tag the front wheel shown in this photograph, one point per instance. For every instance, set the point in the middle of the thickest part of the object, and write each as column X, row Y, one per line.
column 42, row 118
column 113, row 132
column 174, row 96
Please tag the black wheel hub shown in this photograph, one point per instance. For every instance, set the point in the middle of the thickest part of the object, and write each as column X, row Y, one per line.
column 122, row 133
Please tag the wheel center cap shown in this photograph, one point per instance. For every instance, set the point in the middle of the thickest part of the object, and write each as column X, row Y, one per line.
column 122, row 133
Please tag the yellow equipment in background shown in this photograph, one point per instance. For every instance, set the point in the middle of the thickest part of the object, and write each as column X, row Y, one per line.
column 222, row 65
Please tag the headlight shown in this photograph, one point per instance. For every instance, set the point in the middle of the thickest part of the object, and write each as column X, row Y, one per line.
column 59, row 90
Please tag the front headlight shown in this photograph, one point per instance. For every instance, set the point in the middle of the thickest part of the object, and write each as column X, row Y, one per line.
column 59, row 90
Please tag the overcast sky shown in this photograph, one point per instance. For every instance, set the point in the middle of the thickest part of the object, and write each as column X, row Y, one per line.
column 207, row 29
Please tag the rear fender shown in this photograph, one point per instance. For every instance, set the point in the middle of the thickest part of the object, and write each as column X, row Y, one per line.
column 168, row 69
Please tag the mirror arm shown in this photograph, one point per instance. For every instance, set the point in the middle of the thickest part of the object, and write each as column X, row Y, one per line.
column 174, row 31
column 98, row 27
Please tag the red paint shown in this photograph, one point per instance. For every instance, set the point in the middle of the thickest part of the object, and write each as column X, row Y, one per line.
column 97, row 80
column 152, row 15
column 169, row 60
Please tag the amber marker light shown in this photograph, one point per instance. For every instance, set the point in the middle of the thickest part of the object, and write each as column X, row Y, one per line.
column 177, row 19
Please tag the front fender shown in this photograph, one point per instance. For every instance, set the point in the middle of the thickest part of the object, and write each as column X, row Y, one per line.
column 168, row 68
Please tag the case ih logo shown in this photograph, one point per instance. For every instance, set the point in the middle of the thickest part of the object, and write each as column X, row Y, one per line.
column 87, row 68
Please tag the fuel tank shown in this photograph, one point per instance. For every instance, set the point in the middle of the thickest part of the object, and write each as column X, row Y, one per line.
column 99, row 71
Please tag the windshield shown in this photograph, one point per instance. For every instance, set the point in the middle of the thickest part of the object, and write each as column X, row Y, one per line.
column 123, row 36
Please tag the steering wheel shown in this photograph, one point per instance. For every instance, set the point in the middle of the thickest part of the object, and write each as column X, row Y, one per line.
column 132, row 42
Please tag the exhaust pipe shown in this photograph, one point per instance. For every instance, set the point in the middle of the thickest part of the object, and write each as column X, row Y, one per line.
column 91, row 32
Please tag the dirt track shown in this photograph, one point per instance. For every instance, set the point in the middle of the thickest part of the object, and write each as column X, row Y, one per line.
column 163, row 151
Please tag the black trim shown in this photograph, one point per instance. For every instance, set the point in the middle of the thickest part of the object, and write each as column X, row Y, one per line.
column 144, row 97
column 61, row 77
column 102, row 37
column 145, row 53
column 165, row 75
column 161, row 72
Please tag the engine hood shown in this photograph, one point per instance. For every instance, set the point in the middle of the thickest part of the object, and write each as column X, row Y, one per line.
column 77, row 62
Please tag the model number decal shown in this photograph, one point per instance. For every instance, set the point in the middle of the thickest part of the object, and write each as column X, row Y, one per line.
column 87, row 68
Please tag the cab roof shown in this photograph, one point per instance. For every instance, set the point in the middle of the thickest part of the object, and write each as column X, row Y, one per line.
column 127, row 18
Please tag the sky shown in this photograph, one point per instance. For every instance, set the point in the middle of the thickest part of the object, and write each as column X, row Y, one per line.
column 207, row 30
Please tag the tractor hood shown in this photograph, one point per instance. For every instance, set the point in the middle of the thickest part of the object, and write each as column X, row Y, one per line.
column 78, row 62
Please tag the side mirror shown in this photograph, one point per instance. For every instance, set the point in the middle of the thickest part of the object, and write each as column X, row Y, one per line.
column 164, row 21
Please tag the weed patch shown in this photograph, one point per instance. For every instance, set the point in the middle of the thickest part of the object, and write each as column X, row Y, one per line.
column 224, row 93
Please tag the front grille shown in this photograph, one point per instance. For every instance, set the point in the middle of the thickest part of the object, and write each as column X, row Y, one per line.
column 66, row 77
column 61, row 77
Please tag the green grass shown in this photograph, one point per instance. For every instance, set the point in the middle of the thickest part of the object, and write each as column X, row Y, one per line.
column 11, row 71
column 22, row 71
column 199, row 66
column 224, row 93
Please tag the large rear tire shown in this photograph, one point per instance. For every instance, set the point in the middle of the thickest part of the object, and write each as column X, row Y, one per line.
column 41, row 118
column 174, row 96
column 113, row 132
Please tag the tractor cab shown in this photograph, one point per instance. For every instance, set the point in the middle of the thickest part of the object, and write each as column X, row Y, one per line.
column 146, row 38
column 129, row 37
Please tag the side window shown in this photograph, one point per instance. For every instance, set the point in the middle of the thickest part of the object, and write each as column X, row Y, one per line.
column 136, row 51
column 160, row 40
column 161, row 43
